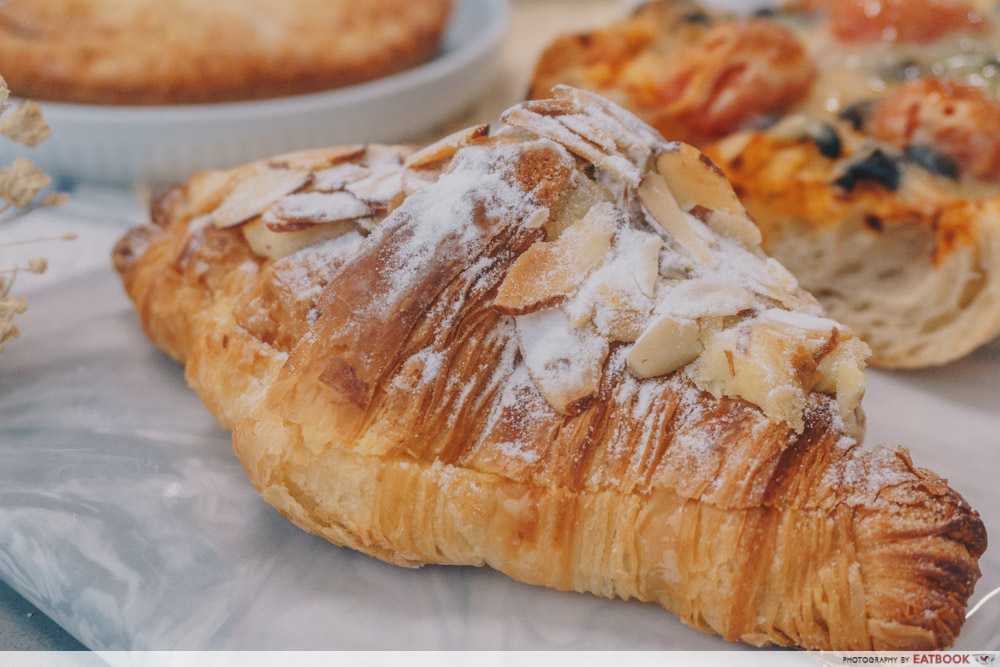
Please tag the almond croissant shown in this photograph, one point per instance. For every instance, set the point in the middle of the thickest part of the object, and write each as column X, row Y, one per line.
column 555, row 349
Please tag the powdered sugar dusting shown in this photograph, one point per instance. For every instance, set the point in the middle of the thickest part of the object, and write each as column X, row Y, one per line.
column 478, row 183
column 317, row 207
column 868, row 472
column 297, row 272
column 336, row 178
column 380, row 186
column 564, row 362
column 799, row 320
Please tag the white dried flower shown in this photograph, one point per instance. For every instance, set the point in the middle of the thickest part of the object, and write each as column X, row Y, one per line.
column 26, row 125
column 20, row 182
column 56, row 199
column 38, row 265
column 9, row 307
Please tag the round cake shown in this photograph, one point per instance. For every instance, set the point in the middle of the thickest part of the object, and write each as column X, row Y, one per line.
column 146, row 52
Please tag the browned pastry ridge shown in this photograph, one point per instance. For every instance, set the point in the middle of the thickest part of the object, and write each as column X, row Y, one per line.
column 862, row 135
column 539, row 349
column 187, row 51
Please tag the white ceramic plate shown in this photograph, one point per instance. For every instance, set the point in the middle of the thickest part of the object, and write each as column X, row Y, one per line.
column 120, row 145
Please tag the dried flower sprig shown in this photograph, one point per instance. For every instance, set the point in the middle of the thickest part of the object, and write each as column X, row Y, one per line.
column 20, row 185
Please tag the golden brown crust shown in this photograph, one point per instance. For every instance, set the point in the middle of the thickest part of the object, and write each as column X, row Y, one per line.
column 183, row 51
column 401, row 422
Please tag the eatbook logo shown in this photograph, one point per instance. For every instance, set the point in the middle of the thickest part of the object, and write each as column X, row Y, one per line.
column 986, row 658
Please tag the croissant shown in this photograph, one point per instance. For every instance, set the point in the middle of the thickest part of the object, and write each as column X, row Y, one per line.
column 556, row 349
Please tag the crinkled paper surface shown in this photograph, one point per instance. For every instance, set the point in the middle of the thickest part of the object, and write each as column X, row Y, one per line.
column 125, row 516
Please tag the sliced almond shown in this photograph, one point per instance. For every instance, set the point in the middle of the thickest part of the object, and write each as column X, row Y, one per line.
column 618, row 314
column 783, row 276
column 255, row 191
column 415, row 180
column 581, row 195
column 841, row 373
column 565, row 364
column 632, row 132
column 206, row 189
column 275, row 245
column 757, row 363
column 538, row 218
column 548, row 271
column 380, row 187
column 666, row 345
column 736, row 227
column 447, row 147
column 777, row 359
column 312, row 208
column 337, row 177
column 647, row 264
column 319, row 158
column 699, row 299
column 659, row 201
column 617, row 297
column 527, row 117
column 696, row 181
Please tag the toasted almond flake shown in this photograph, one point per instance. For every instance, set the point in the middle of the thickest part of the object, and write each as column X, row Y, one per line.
column 648, row 264
column 447, row 147
column 564, row 363
column 339, row 176
column 319, row 158
column 736, row 227
column 415, row 180
column 782, row 275
column 538, row 218
column 274, row 244
column 314, row 208
column 696, row 181
column 255, row 191
column 587, row 127
column 525, row 117
column 666, row 345
column 379, row 187
column 700, row 299
column 581, row 195
column 637, row 134
column 659, row 201
column 206, row 189
column 619, row 316
column 548, row 271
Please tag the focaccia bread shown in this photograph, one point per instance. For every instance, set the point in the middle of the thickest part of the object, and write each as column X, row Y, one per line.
column 556, row 349
column 863, row 136
column 190, row 51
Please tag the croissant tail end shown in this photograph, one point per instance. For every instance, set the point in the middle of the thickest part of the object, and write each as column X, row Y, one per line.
column 921, row 572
